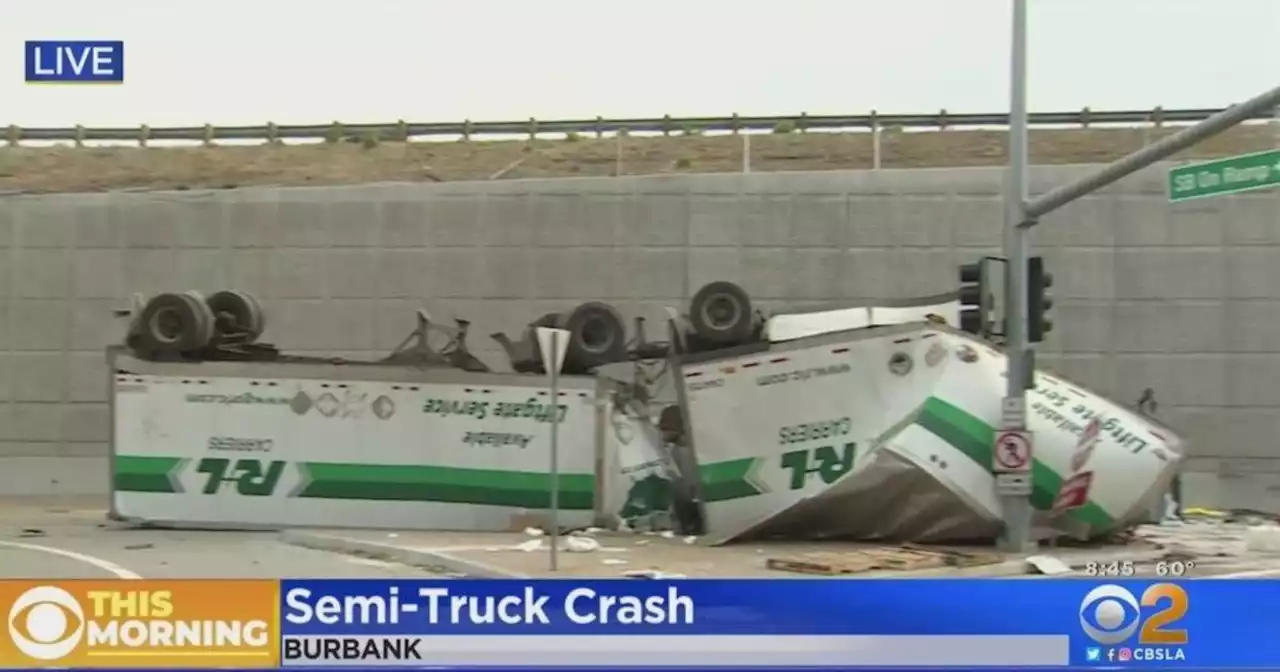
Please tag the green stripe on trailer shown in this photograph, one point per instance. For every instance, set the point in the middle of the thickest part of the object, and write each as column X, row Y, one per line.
column 135, row 473
column 383, row 482
column 532, row 490
column 975, row 438
column 731, row 479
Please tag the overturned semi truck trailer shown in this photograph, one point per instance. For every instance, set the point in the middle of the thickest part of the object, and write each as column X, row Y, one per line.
column 212, row 428
column 887, row 432
column 872, row 422
column 299, row 443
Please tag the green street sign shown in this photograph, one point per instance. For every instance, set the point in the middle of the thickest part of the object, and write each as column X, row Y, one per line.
column 1225, row 176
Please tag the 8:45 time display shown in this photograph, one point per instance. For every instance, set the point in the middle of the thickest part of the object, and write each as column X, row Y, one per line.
column 1114, row 568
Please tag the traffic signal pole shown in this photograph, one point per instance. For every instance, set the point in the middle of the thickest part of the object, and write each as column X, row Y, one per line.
column 1022, row 213
column 1015, row 500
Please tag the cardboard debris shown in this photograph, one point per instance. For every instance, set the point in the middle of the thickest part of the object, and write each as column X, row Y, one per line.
column 1047, row 565
column 901, row 558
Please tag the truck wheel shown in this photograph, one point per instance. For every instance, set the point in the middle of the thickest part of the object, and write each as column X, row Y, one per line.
column 257, row 310
column 176, row 323
column 241, row 309
column 597, row 335
column 721, row 313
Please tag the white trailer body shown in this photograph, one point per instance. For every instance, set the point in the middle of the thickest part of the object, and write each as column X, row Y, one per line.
column 888, row 432
column 277, row 444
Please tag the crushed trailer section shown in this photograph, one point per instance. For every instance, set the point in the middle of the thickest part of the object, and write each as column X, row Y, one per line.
column 888, row 433
column 863, row 423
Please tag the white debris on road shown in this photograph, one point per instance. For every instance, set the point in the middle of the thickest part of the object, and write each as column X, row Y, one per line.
column 652, row 574
column 1263, row 539
column 579, row 544
column 530, row 546
column 1214, row 543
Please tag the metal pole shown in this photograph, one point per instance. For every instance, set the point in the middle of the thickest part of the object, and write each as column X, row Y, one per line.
column 555, row 455
column 875, row 145
column 1250, row 109
column 1275, row 126
column 1016, row 507
column 617, row 155
column 746, row 152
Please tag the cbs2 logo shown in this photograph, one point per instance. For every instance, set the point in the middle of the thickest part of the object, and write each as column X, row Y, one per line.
column 1105, row 617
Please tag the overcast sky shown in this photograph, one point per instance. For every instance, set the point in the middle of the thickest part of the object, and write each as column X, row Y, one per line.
column 296, row 61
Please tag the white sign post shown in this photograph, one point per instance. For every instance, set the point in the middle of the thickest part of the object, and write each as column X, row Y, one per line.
column 1013, row 412
column 1012, row 456
column 553, row 343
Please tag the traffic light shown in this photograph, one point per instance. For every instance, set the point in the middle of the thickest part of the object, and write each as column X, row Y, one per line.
column 976, row 300
column 1039, row 300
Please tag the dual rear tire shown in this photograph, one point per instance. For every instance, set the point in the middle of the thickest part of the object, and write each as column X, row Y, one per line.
column 173, row 323
column 722, row 315
column 597, row 335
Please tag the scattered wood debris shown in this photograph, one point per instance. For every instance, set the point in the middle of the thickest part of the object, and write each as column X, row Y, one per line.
column 899, row 558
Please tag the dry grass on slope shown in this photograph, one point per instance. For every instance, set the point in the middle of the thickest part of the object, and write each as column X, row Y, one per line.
column 64, row 169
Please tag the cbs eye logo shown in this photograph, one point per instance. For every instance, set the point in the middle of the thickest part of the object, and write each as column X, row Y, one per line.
column 1110, row 614
column 46, row 623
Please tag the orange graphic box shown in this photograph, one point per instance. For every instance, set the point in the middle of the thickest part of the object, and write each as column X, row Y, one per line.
column 120, row 623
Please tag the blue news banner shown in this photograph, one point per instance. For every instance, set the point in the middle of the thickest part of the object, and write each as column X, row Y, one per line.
column 966, row 623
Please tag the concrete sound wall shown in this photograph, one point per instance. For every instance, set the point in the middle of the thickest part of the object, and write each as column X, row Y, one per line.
column 1182, row 298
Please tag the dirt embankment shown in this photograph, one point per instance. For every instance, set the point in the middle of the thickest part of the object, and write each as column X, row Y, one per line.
column 66, row 169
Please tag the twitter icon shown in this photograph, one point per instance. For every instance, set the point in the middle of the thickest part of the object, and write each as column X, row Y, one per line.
column 1093, row 654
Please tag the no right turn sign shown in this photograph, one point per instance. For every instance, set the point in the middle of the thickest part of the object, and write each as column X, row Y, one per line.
column 1012, row 452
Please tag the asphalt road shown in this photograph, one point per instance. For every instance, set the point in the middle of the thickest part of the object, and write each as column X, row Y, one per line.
column 72, row 540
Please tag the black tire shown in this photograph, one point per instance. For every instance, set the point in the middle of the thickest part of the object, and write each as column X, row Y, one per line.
column 173, row 323
column 243, row 311
column 597, row 335
column 261, row 321
column 721, row 313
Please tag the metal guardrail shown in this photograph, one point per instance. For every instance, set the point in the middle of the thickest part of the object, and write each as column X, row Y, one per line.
column 599, row 126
